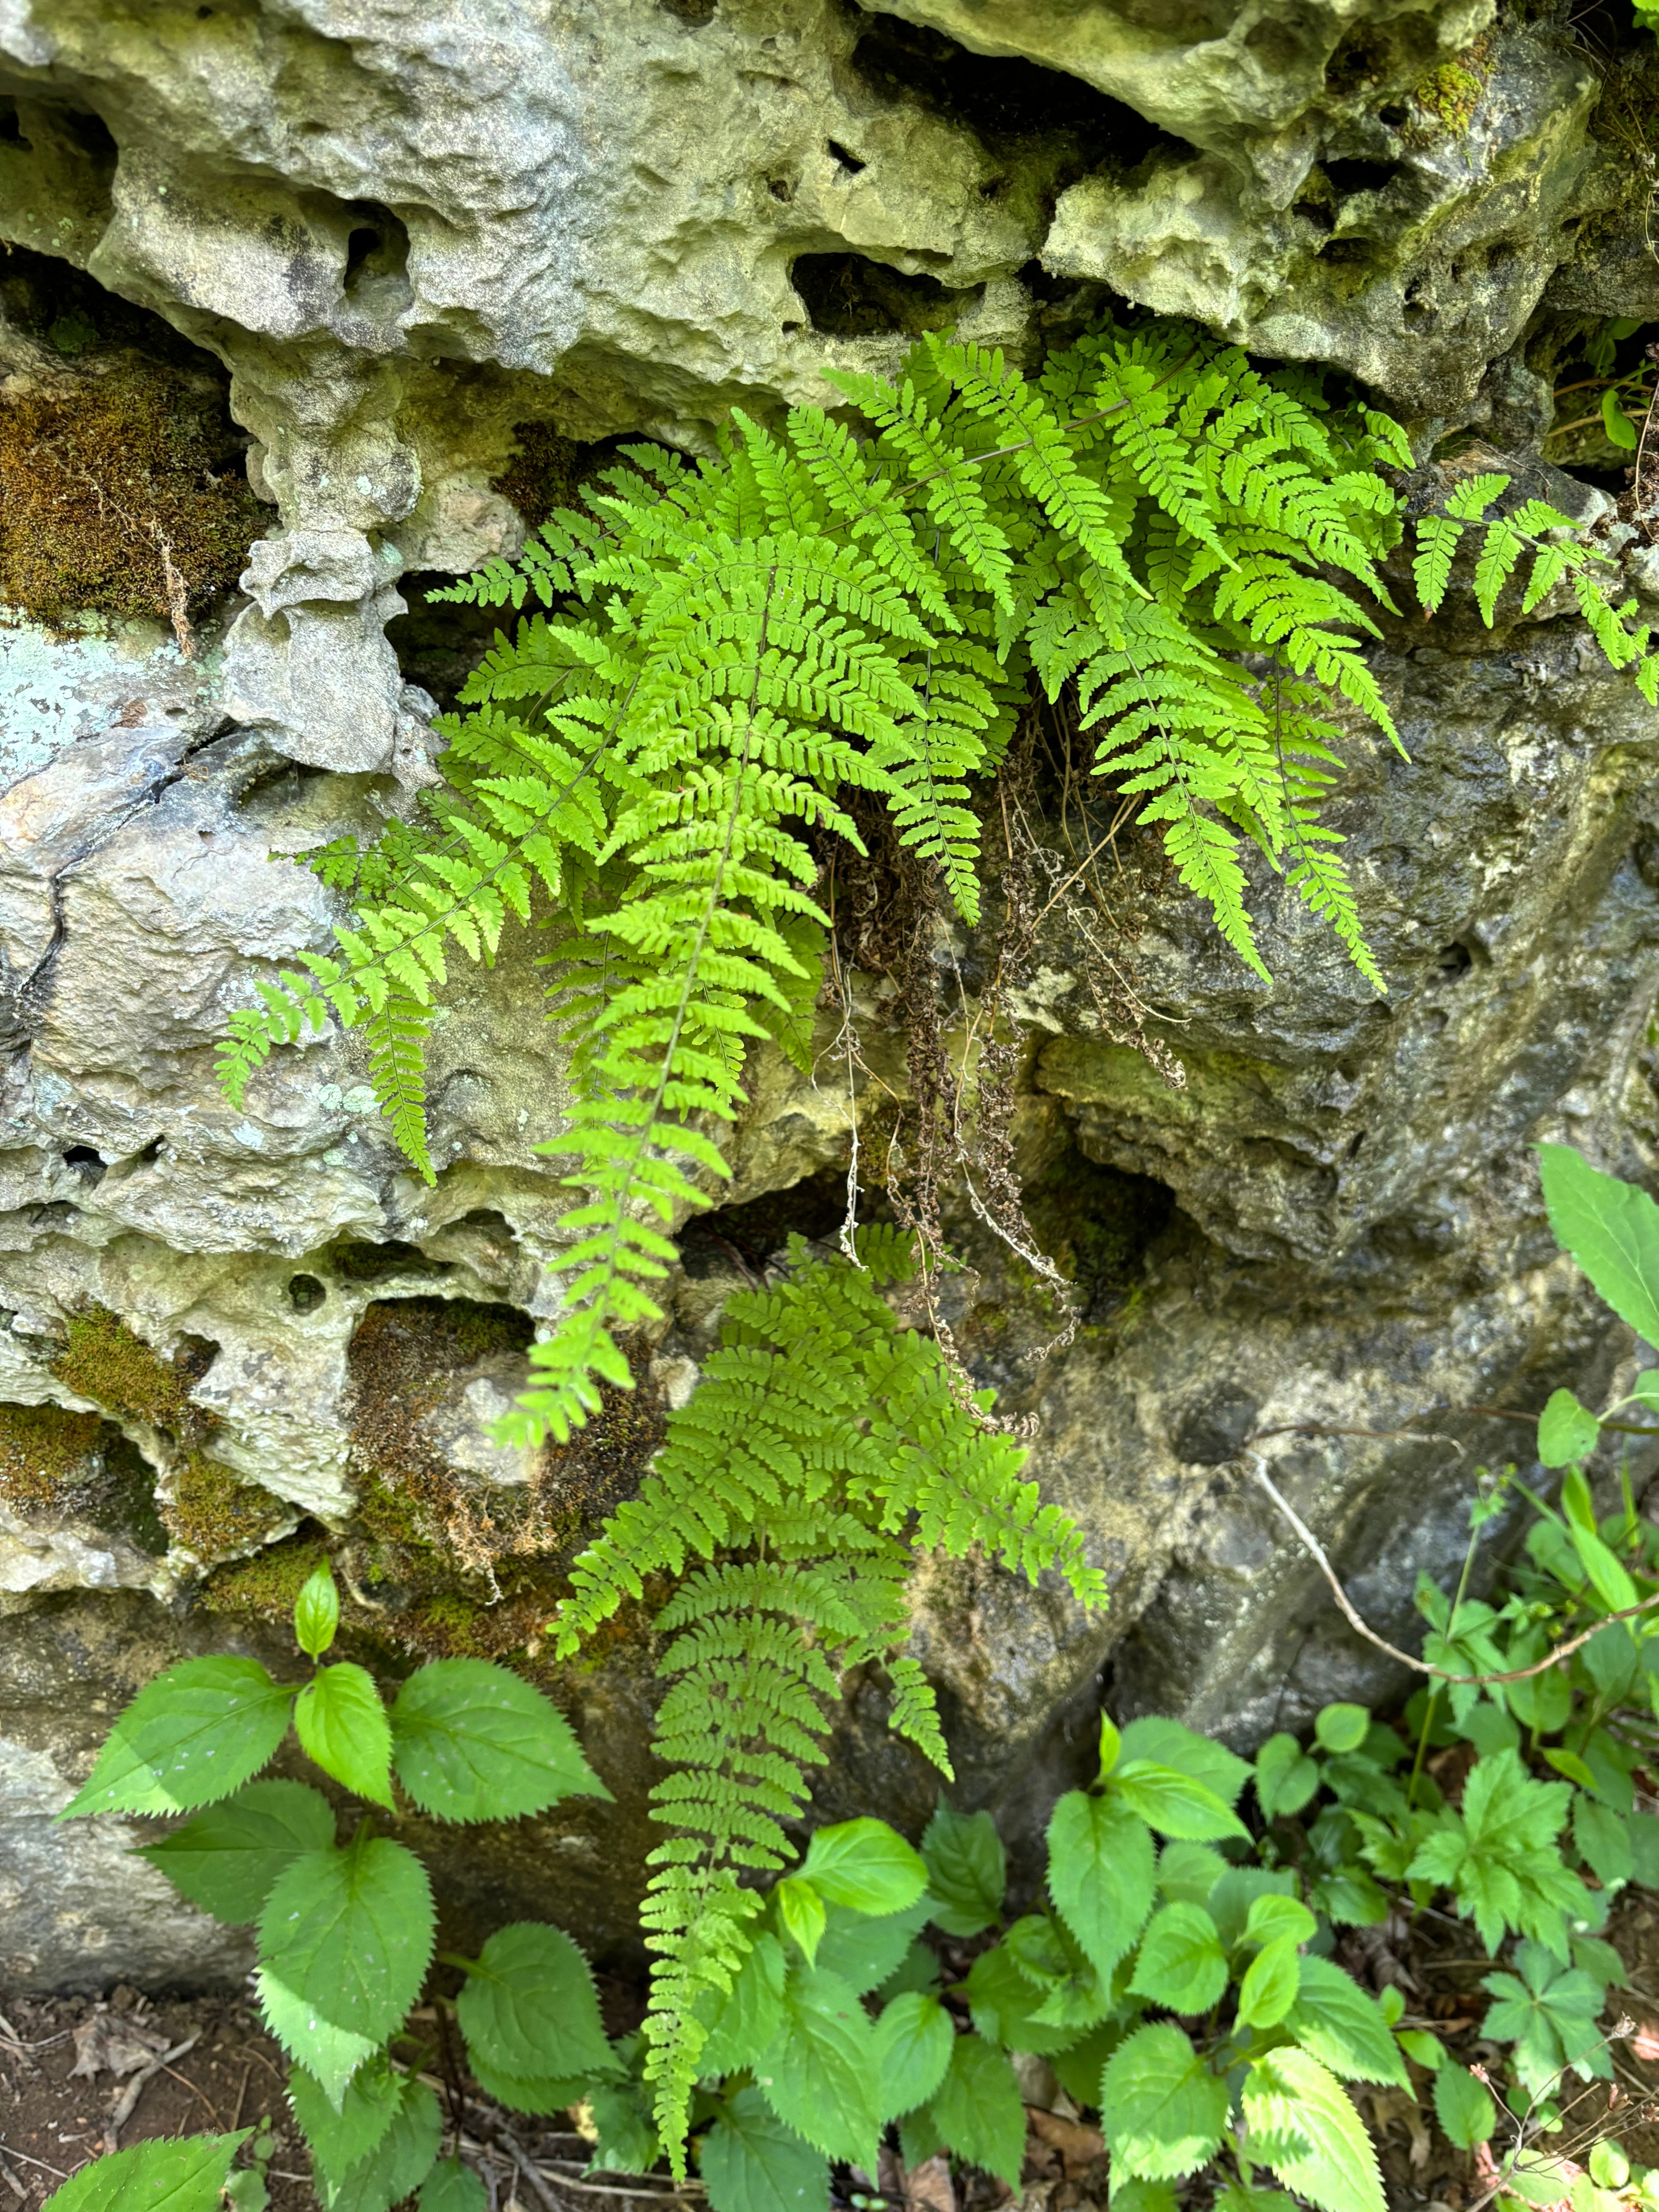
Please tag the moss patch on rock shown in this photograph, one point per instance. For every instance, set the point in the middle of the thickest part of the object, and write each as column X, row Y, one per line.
column 46, row 1453
column 264, row 1587
column 545, row 472
column 104, row 1358
column 212, row 1510
column 123, row 488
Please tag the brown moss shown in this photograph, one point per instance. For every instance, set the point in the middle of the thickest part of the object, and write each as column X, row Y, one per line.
column 118, row 446
column 105, row 1360
column 47, row 1455
column 212, row 1510
column 546, row 471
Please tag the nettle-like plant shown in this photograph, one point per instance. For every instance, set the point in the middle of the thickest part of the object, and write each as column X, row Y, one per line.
column 733, row 649
column 345, row 1931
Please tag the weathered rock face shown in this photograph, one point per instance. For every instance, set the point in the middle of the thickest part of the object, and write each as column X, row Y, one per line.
column 234, row 1336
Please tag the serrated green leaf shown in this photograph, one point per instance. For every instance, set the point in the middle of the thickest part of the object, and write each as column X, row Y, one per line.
column 864, row 1951
column 627, row 2141
column 1162, row 2110
column 1111, row 1745
column 1005, row 2006
column 751, row 2162
column 1611, row 1229
column 1331, row 2016
column 1199, row 1757
column 1100, row 1873
column 1603, row 1837
column 1303, row 2125
column 1609, row 1577
column 317, row 1613
column 399, row 2163
column 1417, row 2043
column 332, row 2054
column 1187, row 1873
column 744, row 2021
column 913, row 2037
column 528, row 2006
column 471, row 1741
column 343, row 2136
column 1173, row 1803
column 978, row 2110
column 1181, row 1964
column 801, row 1914
column 967, row 1871
column 1464, row 2107
column 342, row 1724
column 1270, row 1983
column 819, row 2075
column 184, row 2176
column 453, row 2187
column 193, row 1736
column 226, row 1858
column 348, row 1934
column 1272, row 1915
column 865, row 1866
column 1566, row 1430
column 543, row 2096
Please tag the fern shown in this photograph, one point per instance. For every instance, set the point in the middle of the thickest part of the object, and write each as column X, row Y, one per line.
column 821, row 1449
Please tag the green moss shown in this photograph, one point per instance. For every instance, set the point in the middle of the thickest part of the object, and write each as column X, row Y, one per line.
column 1452, row 93
column 105, row 1360
column 265, row 1586
column 47, row 1455
column 212, row 1510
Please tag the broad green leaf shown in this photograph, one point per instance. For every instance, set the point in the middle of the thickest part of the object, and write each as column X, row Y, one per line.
column 1570, row 1764
column 1100, row 1873
column 1111, row 1745
column 752, row 2163
column 1416, row 2042
column 1005, row 2006
column 1230, row 1902
column 800, row 1911
column 864, row 1951
column 317, row 1613
column 1234, row 2199
column 1538, row 2178
column 819, row 2077
column 528, row 2006
column 1609, row 1577
column 184, row 2176
column 744, row 2021
column 1173, row 1803
column 978, row 2110
column 913, row 2037
column 1287, row 1779
column 349, row 1934
column 194, row 1735
column 1079, row 2068
column 1162, row 2110
column 1199, row 1757
column 1566, row 1430
column 227, row 1858
column 399, row 2163
column 1132, row 2196
column 1612, row 1230
column 1331, row 2016
column 1464, row 2107
column 1187, row 1873
column 1181, row 1964
column 1270, row 1983
column 967, row 1872
column 1620, row 430
column 543, row 2096
column 1303, row 2124
column 342, row 1724
column 1603, row 1837
column 1609, row 2167
column 867, row 1866
column 332, row 2054
column 471, row 1741
column 1272, row 1916
column 628, row 2140
column 342, row 2136
column 453, row 2187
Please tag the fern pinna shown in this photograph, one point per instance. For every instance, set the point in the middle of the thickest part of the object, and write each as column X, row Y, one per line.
column 822, row 1448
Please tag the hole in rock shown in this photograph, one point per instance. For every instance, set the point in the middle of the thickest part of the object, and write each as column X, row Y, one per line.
column 362, row 243
column 356, row 1260
column 439, row 646
column 150, row 1154
column 757, row 1230
column 91, row 1166
column 1319, row 212
column 847, row 295
column 486, row 1217
column 1097, row 1223
column 1348, row 177
column 1209, row 1432
column 780, row 189
column 696, row 12
column 377, row 247
column 11, row 130
column 130, row 440
column 1346, row 253
column 305, row 1293
column 1395, row 114
column 1453, row 961
column 850, row 162
column 1001, row 98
